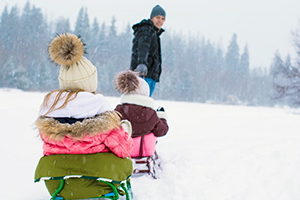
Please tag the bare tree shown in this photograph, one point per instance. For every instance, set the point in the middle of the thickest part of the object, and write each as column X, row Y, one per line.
column 286, row 76
column 286, row 80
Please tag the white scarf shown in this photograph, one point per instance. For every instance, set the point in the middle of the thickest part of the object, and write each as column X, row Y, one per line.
column 138, row 100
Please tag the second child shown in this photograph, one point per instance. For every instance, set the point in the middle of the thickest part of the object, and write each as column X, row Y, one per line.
column 137, row 107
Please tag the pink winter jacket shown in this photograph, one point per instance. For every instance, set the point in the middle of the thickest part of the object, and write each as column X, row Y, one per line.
column 116, row 141
column 85, row 125
column 102, row 133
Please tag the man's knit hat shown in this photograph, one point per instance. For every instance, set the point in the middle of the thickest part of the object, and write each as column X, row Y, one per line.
column 157, row 10
column 128, row 82
column 76, row 71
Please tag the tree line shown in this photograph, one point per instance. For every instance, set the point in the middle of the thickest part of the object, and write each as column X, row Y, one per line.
column 285, row 75
column 194, row 69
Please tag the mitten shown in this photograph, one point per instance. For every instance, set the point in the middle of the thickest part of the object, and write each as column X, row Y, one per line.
column 141, row 69
column 160, row 111
column 126, row 126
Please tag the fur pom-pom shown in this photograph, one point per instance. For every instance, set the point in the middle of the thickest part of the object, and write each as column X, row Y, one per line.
column 127, row 81
column 66, row 49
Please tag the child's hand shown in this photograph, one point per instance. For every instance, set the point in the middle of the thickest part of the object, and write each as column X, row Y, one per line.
column 160, row 111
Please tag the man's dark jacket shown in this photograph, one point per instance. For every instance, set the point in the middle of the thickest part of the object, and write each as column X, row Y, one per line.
column 146, row 48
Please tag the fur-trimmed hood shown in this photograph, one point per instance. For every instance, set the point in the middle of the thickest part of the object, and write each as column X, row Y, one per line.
column 54, row 130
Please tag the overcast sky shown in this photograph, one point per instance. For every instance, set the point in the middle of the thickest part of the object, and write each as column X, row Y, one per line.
column 265, row 25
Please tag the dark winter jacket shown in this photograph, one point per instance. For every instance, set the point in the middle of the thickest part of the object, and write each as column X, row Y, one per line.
column 146, row 48
column 144, row 119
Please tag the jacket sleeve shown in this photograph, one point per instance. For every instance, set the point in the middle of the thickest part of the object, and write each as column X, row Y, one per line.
column 143, row 37
column 119, row 142
column 161, row 128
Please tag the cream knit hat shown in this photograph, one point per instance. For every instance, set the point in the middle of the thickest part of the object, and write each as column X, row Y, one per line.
column 76, row 72
column 143, row 88
column 128, row 82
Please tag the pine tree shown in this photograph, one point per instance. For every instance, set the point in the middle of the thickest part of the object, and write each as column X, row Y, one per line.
column 37, row 43
column 173, row 60
column 82, row 26
column 243, row 75
column 14, row 31
column 86, row 28
column 194, row 61
column 102, row 47
column 26, row 24
column 4, row 27
column 124, row 52
column 103, row 59
column 244, row 63
column 232, row 67
column 6, row 43
column 112, row 30
column 218, row 76
column 94, row 44
column 111, row 52
column 79, row 22
column 210, row 70
column 95, row 30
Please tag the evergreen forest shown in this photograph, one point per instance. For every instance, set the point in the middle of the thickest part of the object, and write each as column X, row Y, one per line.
column 195, row 69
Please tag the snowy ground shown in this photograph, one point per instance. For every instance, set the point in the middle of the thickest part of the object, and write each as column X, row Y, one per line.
column 212, row 152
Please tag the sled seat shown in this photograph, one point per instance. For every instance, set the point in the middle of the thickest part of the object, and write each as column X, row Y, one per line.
column 85, row 176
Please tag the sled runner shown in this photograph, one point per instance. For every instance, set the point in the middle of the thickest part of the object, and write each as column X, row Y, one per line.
column 144, row 155
column 85, row 176
column 148, row 164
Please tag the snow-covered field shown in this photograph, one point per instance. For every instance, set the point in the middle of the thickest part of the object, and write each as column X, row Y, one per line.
column 212, row 152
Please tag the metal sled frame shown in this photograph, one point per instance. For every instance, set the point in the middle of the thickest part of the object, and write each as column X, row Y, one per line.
column 125, row 186
column 149, row 162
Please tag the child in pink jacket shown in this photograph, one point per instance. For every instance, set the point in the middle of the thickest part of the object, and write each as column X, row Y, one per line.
column 137, row 107
column 76, row 119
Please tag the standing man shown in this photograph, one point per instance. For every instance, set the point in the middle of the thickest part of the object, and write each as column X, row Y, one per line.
column 146, row 50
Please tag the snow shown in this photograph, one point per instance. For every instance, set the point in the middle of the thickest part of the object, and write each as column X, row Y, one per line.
column 211, row 152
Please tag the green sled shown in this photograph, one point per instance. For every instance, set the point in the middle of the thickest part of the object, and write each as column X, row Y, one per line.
column 91, row 167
